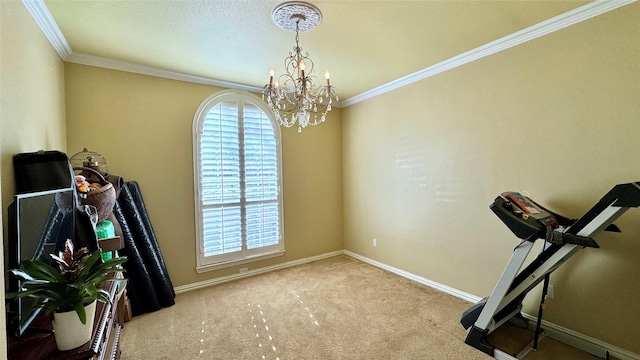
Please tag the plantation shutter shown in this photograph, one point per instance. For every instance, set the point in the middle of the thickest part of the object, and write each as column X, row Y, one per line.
column 240, row 203
column 221, row 190
column 261, row 179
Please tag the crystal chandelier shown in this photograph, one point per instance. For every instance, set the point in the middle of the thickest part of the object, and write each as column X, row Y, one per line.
column 297, row 95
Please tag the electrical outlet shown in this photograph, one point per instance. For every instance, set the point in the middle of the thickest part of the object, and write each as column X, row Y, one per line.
column 375, row 242
column 243, row 270
column 551, row 292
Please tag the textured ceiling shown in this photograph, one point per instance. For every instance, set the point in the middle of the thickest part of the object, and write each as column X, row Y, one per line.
column 364, row 44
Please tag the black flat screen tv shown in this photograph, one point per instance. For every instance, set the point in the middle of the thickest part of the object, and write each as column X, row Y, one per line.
column 39, row 224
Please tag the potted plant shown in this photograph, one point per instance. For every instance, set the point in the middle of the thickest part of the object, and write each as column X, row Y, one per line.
column 69, row 293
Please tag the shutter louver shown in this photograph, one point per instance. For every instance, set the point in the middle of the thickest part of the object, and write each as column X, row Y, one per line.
column 223, row 230
column 261, row 178
column 220, row 164
column 239, row 180
column 262, row 225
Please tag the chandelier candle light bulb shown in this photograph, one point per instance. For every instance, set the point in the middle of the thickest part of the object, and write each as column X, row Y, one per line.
column 297, row 96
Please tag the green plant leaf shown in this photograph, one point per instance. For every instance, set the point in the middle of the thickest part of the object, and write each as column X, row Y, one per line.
column 41, row 270
column 103, row 296
column 21, row 274
column 71, row 286
column 82, row 314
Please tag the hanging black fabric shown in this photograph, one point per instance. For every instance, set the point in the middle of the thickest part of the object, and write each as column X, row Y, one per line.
column 149, row 287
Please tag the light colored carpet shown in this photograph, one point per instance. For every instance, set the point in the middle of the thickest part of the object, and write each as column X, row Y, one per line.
column 338, row 308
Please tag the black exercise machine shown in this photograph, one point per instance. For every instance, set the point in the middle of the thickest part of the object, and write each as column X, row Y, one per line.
column 563, row 237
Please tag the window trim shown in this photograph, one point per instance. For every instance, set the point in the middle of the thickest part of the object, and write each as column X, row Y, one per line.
column 250, row 255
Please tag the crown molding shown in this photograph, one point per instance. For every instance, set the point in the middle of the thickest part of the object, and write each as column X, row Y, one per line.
column 45, row 21
column 49, row 27
column 107, row 63
column 548, row 26
column 113, row 64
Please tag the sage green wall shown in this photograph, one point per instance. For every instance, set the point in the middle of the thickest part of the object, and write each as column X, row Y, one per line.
column 142, row 125
column 32, row 113
column 558, row 116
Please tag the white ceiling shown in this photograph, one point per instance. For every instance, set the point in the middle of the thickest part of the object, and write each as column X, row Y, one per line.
column 365, row 44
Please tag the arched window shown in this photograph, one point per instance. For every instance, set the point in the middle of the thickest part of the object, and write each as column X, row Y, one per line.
column 237, row 171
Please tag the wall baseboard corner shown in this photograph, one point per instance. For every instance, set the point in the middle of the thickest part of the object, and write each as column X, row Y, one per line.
column 573, row 338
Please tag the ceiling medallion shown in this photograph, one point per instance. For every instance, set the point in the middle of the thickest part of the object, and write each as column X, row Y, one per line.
column 287, row 16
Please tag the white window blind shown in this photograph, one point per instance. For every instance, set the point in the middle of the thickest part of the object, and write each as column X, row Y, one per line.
column 238, row 197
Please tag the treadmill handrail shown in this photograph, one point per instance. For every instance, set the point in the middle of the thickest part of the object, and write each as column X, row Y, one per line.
column 622, row 195
column 518, row 283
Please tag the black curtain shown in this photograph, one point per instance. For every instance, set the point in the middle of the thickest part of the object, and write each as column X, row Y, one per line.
column 149, row 287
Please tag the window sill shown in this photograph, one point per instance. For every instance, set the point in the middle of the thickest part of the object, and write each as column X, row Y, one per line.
column 225, row 264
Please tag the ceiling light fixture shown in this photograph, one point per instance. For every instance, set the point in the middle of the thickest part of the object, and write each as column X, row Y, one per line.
column 297, row 96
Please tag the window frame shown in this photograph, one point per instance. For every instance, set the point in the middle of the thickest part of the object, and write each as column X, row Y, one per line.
column 220, row 261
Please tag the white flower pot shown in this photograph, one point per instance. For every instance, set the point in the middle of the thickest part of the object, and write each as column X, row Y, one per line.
column 69, row 332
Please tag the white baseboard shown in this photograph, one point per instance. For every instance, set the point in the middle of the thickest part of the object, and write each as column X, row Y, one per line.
column 583, row 342
column 224, row 279
column 580, row 341
column 419, row 279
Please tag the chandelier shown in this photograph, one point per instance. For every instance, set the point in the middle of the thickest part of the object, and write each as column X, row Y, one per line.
column 297, row 95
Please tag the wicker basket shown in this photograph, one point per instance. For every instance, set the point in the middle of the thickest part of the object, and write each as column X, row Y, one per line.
column 103, row 198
